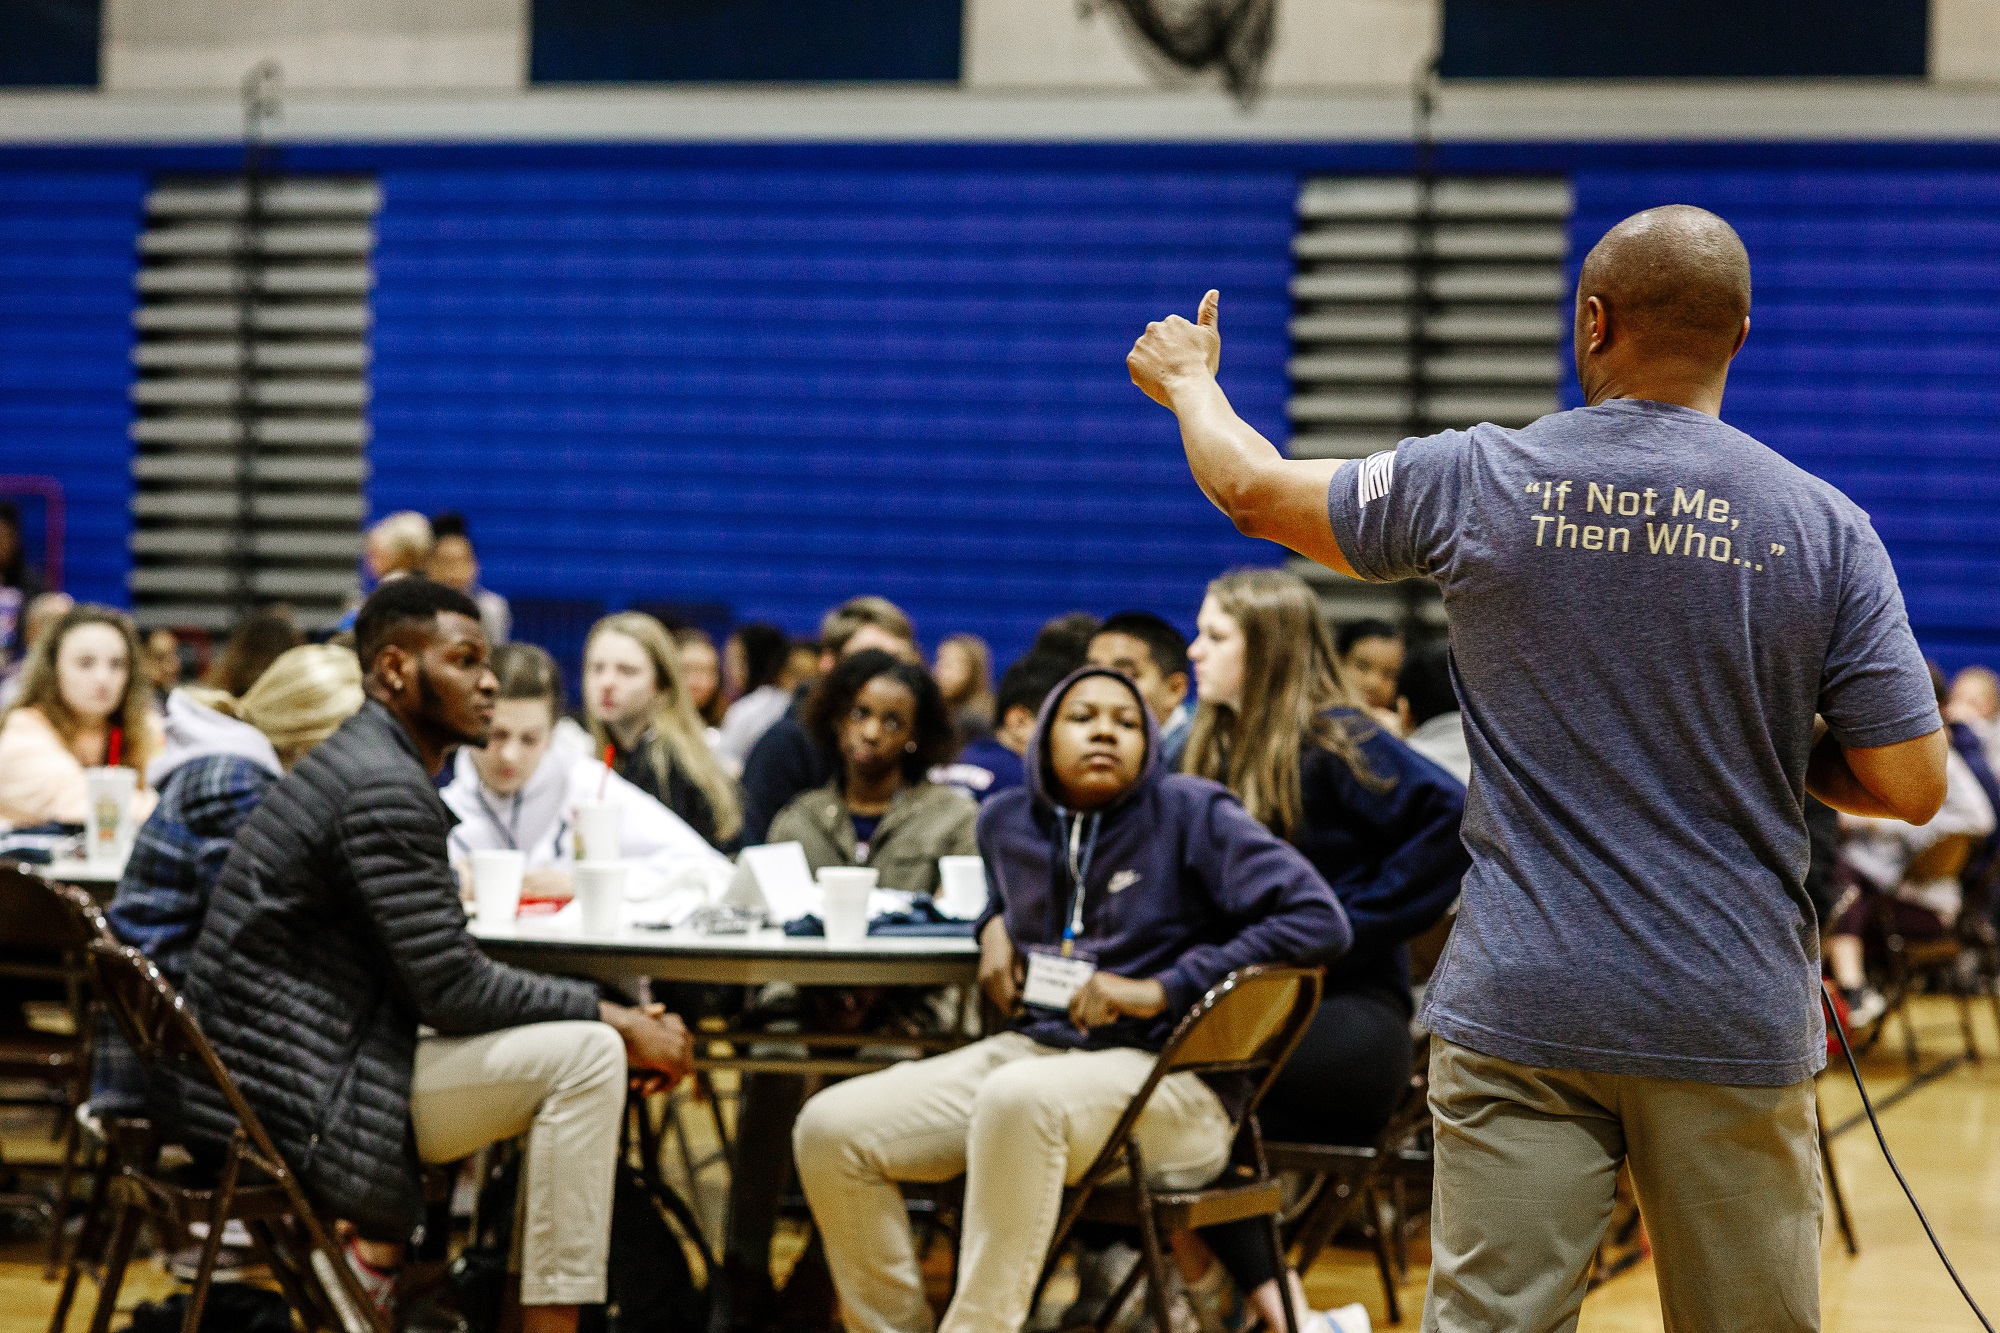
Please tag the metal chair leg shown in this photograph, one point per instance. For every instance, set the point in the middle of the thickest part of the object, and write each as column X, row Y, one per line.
column 72, row 1144
column 211, row 1244
column 1158, row 1293
column 274, row 1250
column 1384, row 1264
column 1910, row 1053
column 1840, row 1213
column 88, row 1237
column 124, row 1232
column 1284, row 1275
column 1964, row 1002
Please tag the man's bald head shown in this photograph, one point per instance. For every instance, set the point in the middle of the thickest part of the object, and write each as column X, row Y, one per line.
column 1675, row 282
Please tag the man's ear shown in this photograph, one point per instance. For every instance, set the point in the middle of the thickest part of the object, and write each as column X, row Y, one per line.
column 393, row 668
column 1177, row 684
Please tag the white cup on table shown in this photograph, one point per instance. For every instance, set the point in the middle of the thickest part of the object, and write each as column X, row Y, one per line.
column 496, row 885
column 108, row 794
column 600, row 891
column 598, row 828
column 844, row 892
column 961, row 886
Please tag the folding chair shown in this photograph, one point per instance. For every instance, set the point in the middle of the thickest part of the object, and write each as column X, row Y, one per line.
column 1346, row 1181
column 252, row 1184
column 1913, row 961
column 42, row 941
column 1246, row 1027
column 1842, row 1218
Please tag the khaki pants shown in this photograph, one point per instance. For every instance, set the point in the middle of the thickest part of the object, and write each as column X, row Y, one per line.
column 1019, row 1121
column 562, row 1085
column 1527, row 1159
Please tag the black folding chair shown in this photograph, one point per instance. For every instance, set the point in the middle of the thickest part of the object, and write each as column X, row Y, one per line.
column 1346, row 1182
column 1245, row 1028
column 251, row 1184
column 41, row 941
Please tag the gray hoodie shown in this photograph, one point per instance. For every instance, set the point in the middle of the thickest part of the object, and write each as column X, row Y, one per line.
column 194, row 730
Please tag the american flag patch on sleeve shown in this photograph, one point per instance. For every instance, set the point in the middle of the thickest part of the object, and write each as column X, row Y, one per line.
column 1377, row 472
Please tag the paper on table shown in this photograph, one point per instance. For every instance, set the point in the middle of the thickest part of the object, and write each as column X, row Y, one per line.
column 775, row 879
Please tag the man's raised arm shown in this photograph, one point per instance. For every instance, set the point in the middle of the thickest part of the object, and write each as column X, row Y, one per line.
column 1264, row 493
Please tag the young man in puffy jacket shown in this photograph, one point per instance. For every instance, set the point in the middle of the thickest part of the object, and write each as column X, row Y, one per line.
column 335, row 933
column 1118, row 895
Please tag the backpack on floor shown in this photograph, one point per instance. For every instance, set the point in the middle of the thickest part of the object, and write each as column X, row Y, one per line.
column 232, row 1307
column 649, row 1285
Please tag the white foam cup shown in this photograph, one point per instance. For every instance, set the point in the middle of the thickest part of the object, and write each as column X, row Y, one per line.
column 496, row 885
column 108, row 794
column 597, row 831
column 844, row 893
column 600, row 888
column 961, row 886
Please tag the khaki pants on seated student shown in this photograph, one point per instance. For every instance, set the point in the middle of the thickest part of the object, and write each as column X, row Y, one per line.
column 1527, row 1159
column 1019, row 1120
column 562, row 1085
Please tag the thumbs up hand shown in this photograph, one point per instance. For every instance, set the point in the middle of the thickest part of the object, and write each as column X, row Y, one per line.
column 1173, row 349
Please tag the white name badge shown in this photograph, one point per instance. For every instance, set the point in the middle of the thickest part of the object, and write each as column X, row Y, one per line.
column 1054, row 980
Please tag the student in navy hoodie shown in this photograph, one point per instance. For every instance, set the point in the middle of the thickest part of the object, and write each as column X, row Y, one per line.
column 1179, row 887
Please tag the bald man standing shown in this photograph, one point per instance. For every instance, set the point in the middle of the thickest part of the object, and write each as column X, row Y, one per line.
column 1664, row 635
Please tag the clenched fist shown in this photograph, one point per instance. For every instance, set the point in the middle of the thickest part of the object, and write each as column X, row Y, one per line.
column 1106, row 999
column 1171, row 349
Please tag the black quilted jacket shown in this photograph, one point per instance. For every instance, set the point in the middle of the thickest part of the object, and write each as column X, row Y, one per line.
column 334, row 931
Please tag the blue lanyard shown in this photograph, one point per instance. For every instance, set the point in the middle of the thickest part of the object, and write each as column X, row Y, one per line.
column 507, row 829
column 1081, row 853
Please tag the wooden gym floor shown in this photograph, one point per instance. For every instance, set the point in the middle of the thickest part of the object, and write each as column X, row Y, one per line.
column 1946, row 1134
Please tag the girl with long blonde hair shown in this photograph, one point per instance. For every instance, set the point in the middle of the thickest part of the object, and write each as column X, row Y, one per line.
column 639, row 707
column 1277, row 726
column 82, row 696
column 1272, row 687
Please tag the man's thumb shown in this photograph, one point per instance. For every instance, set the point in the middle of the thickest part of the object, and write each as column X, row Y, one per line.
column 1210, row 314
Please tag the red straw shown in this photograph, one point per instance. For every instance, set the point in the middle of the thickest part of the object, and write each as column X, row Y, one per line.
column 117, row 747
column 603, row 783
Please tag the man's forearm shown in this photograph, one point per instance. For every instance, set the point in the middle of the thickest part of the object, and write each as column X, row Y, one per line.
column 1904, row 781
column 1829, row 778
column 1226, row 455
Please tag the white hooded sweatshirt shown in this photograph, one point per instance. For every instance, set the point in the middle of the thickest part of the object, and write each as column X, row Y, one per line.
column 537, row 820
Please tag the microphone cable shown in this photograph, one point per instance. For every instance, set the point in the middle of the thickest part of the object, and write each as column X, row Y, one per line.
column 1867, row 1105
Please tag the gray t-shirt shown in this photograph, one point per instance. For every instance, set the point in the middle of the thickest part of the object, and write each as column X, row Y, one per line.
column 1647, row 608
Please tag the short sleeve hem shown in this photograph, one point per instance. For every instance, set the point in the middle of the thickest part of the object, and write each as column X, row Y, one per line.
column 1877, row 734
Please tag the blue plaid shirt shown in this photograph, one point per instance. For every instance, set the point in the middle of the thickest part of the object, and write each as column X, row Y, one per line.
column 164, row 894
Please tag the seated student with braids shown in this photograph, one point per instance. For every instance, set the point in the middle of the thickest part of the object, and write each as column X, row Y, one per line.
column 521, row 791
column 887, row 722
column 1179, row 888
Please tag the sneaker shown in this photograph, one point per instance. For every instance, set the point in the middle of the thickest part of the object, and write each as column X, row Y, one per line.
column 1865, row 1004
column 233, row 1262
column 1347, row 1319
column 377, row 1284
column 1218, row 1307
column 1137, row 1314
column 1098, row 1275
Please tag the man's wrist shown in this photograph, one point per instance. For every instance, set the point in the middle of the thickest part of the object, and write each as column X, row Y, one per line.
column 1182, row 385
